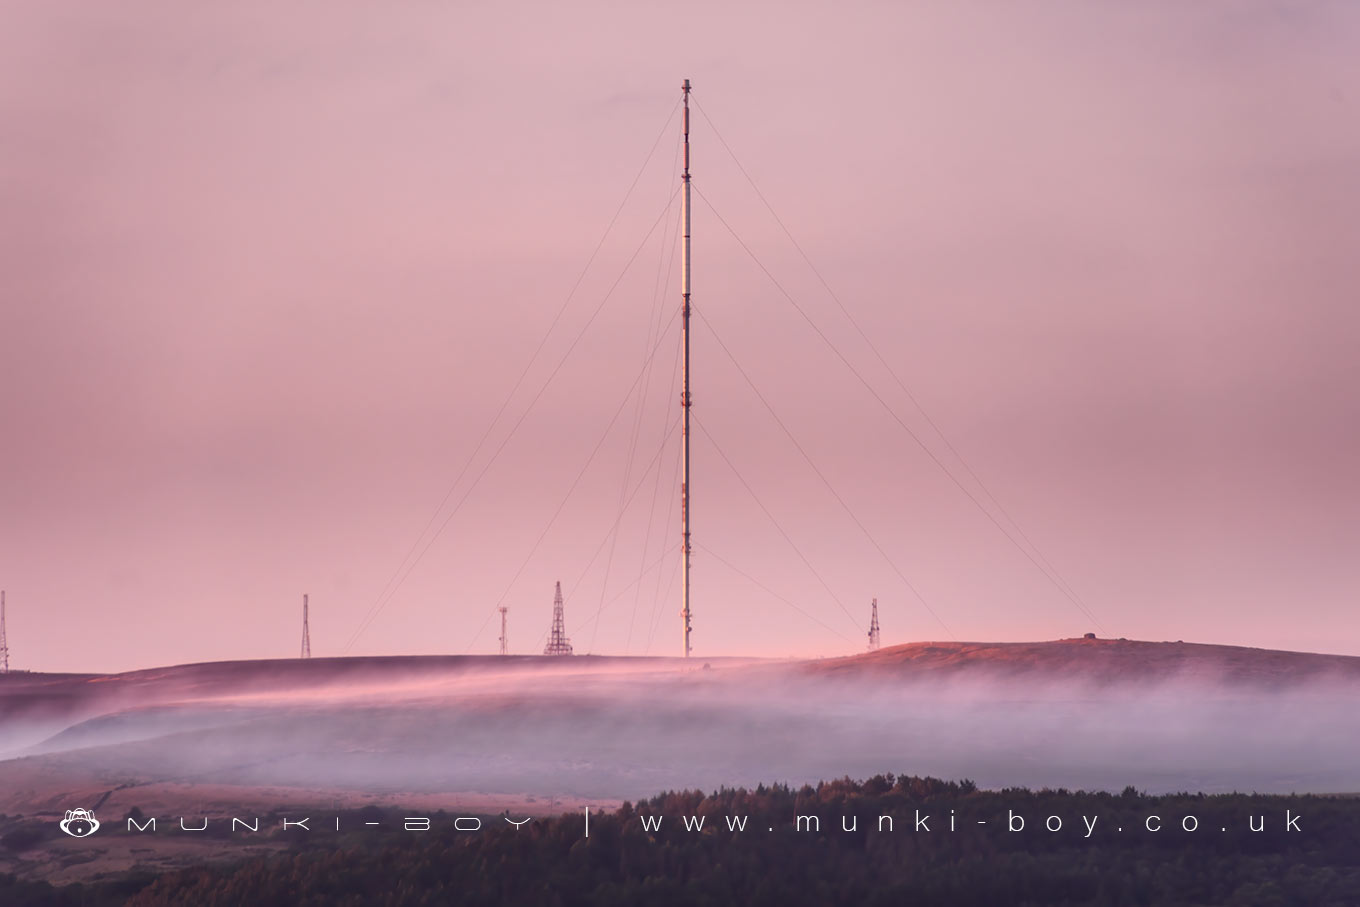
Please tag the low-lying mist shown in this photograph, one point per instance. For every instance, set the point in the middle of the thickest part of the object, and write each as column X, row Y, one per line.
column 596, row 728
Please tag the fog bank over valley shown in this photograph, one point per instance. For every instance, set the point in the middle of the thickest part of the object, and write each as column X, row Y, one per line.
column 1093, row 714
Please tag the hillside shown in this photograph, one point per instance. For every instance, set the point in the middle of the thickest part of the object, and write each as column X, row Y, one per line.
column 530, row 732
column 1100, row 661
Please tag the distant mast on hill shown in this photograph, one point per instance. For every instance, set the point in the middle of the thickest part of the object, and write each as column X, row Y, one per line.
column 306, row 631
column 558, row 644
column 4, row 639
column 874, row 634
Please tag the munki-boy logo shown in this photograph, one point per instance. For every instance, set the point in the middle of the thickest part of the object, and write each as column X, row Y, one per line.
column 79, row 823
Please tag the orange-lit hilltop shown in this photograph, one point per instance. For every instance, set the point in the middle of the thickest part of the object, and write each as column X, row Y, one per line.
column 1097, row 660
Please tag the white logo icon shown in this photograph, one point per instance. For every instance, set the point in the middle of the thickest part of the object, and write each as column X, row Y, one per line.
column 79, row 823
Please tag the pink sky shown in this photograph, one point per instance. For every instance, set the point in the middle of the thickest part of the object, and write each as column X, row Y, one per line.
column 265, row 277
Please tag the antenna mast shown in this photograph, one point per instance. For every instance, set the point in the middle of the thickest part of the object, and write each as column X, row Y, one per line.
column 306, row 631
column 504, row 649
column 4, row 639
column 684, row 393
column 873, row 629
column 558, row 644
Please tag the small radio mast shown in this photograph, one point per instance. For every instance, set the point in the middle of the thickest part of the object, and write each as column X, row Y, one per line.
column 4, row 639
column 504, row 644
column 306, row 631
column 873, row 628
column 684, row 392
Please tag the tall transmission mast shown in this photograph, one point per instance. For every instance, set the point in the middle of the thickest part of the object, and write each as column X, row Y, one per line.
column 504, row 645
column 306, row 631
column 4, row 639
column 684, row 392
column 873, row 629
column 558, row 644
